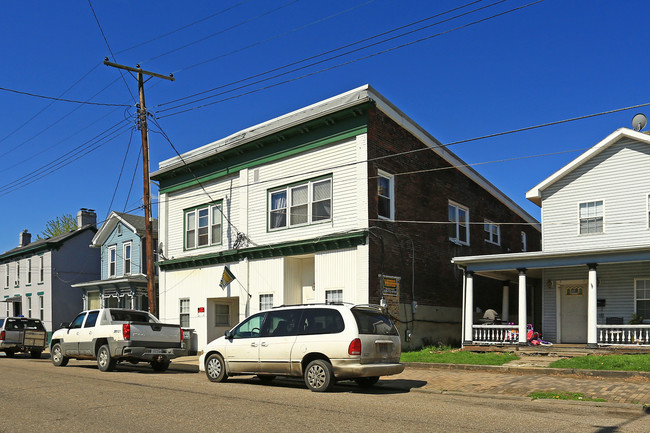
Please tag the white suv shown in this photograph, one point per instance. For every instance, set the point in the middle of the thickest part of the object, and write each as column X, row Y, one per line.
column 321, row 343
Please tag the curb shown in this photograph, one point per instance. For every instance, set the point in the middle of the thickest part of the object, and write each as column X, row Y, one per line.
column 612, row 374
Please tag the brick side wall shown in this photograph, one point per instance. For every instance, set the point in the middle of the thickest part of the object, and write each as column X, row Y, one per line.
column 424, row 196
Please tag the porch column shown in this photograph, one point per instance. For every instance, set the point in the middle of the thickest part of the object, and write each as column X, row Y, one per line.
column 469, row 306
column 521, row 312
column 505, row 306
column 592, row 306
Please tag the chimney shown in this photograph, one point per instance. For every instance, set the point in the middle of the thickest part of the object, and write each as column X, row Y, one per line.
column 86, row 217
column 25, row 238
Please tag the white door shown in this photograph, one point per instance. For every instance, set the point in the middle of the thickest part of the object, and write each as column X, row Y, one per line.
column 573, row 317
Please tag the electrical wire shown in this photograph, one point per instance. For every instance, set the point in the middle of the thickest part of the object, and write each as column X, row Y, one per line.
column 135, row 171
column 119, row 177
column 104, row 104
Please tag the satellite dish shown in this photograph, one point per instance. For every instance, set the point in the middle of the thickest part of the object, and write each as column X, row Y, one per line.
column 639, row 121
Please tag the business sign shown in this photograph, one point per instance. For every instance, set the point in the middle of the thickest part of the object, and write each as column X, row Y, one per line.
column 390, row 294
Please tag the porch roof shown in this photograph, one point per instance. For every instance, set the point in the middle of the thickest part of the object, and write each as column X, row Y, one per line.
column 119, row 282
column 497, row 265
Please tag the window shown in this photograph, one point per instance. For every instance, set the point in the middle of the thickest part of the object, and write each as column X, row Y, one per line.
column 76, row 323
column 648, row 210
column 281, row 323
column 111, row 261
column 29, row 272
column 305, row 203
column 41, row 271
column 203, row 226
column 333, row 296
column 459, row 229
column 29, row 306
column 41, row 303
column 7, row 275
column 249, row 328
column 385, row 203
column 222, row 315
column 184, row 313
column 266, row 302
column 524, row 246
column 91, row 320
column 320, row 321
column 642, row 298
column 126, row 257
column 372, row 322
column 591, row 217
column 493, row 232
column 17, row 274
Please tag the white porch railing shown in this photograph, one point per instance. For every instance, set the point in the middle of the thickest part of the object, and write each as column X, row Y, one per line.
column 624, row 335
column 495, row 334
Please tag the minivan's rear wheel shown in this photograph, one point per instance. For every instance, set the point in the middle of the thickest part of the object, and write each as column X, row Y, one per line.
column 319, row 376
column 215, row 368
column 366, row 382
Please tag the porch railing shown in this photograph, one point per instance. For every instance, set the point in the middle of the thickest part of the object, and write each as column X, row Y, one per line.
column 624, row 335
column 495, row 334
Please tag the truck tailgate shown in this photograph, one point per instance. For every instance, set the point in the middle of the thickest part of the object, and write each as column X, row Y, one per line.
column 156, row 334
column 35, row 338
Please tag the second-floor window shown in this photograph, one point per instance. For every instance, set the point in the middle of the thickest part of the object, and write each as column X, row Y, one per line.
column 300, row 204
column 126, row 254
column 29, row 272
column 459, row 227
column 385, row 201
column 591, row 217
column 492, row 232
column 112, row 253
column 41, row 271
column 7, row 275
column 524, row 246
column 203, row 226
column 17, row 274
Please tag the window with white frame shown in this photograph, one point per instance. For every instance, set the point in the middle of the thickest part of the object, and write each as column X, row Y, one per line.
column 7, row 275
column 334, row 296
column 591, row 217
column 29, row 272
column 126, row 258
column 17, row 274
column 41, row 307
column 222, row 315
column 29, row 306
column 41, row 271
column 305, row 203
column 459, row 229
column 112, row 256
column 642, row 297
column 648, row 210
column 524, row 246
column 385, row 195
column 266, row 301
column 203, row 226
column 184, row 312
column 493, row 232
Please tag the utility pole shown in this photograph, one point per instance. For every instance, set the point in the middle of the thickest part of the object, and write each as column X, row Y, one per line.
column 148, row 219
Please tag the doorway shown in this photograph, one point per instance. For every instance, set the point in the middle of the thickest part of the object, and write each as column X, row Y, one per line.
column 573, row 312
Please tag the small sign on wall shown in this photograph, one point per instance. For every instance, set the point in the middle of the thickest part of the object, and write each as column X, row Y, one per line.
column 574, row 291
column 390, row 293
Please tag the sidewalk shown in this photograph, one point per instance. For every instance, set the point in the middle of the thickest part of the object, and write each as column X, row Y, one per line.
column 516, row 379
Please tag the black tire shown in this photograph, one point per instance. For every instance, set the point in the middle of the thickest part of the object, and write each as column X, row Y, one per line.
column 367, row 382
column 160, row 366
column 215, row 368
column 319, row 376
column 9, row 353
column 57, row 356
column 266, row 378
column 36, row 354
column 104, row 360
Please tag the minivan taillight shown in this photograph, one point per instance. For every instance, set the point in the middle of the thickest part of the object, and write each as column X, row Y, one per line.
column 355, row 347
column 126, row 331
column 2, row 335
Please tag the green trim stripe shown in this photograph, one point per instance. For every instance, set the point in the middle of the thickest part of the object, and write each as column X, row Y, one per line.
column 40, row 293
column 28, row 294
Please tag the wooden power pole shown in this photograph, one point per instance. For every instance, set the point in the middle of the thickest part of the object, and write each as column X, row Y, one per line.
column 148, row 219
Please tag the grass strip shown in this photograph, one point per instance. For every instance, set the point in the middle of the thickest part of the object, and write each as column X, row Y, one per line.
column 640, row 362
column 449, row 355
column 562, row 395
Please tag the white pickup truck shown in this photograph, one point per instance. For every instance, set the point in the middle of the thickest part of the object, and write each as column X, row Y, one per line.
column 113, row 335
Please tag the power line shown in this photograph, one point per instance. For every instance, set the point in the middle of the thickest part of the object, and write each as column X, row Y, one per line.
column 62, row 99
column 327, row 52
column 119, row 177
column 348, row 62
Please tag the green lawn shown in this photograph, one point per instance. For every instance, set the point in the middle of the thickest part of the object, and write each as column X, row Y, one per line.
column 448, row 355
column 562, row 395
column 606, row 362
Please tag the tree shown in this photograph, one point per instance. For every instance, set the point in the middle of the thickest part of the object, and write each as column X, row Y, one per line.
column 58, row 226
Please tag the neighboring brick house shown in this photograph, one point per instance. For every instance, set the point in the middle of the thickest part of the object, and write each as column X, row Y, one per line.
column 123, row 283
column 37, row 278
column 344, row 200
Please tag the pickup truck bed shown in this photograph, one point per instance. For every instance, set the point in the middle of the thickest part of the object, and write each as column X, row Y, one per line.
column 22, row 334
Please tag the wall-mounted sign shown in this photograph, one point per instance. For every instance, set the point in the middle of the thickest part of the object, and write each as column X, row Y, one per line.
column 574, row 291
column 201, row 309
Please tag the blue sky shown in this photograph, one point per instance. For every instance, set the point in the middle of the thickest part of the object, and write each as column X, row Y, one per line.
column 550, row 61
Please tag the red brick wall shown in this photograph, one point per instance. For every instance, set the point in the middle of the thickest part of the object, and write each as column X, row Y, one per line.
column 424, row 196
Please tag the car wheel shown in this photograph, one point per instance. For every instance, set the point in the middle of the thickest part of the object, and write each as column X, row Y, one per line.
column 160, row 366
column 57, row 356
column 266, row 378
column 215, row 368
column 36, row 354
column 319, row 376
column 9, row 353
column 366, row 382
column 104, row 360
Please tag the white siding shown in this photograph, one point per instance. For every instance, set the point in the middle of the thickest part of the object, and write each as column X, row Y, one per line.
column 619, row 177
column 343, row 269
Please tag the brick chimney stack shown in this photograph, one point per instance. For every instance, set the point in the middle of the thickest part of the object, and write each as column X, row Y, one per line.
column 25, row 238
column 86, row 217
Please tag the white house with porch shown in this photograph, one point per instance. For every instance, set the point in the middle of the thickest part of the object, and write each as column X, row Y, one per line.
column 590, row 284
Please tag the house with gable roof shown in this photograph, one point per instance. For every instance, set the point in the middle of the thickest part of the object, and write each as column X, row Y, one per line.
column 121, row 244
column 346, row 200
column 592, row 276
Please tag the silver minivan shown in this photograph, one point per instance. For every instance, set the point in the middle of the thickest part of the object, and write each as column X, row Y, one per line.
column 322, row 343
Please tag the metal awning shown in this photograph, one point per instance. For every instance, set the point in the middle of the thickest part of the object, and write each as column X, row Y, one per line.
column 13, row 299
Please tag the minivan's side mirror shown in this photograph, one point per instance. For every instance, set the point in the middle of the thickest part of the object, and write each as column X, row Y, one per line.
column 228, row 334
